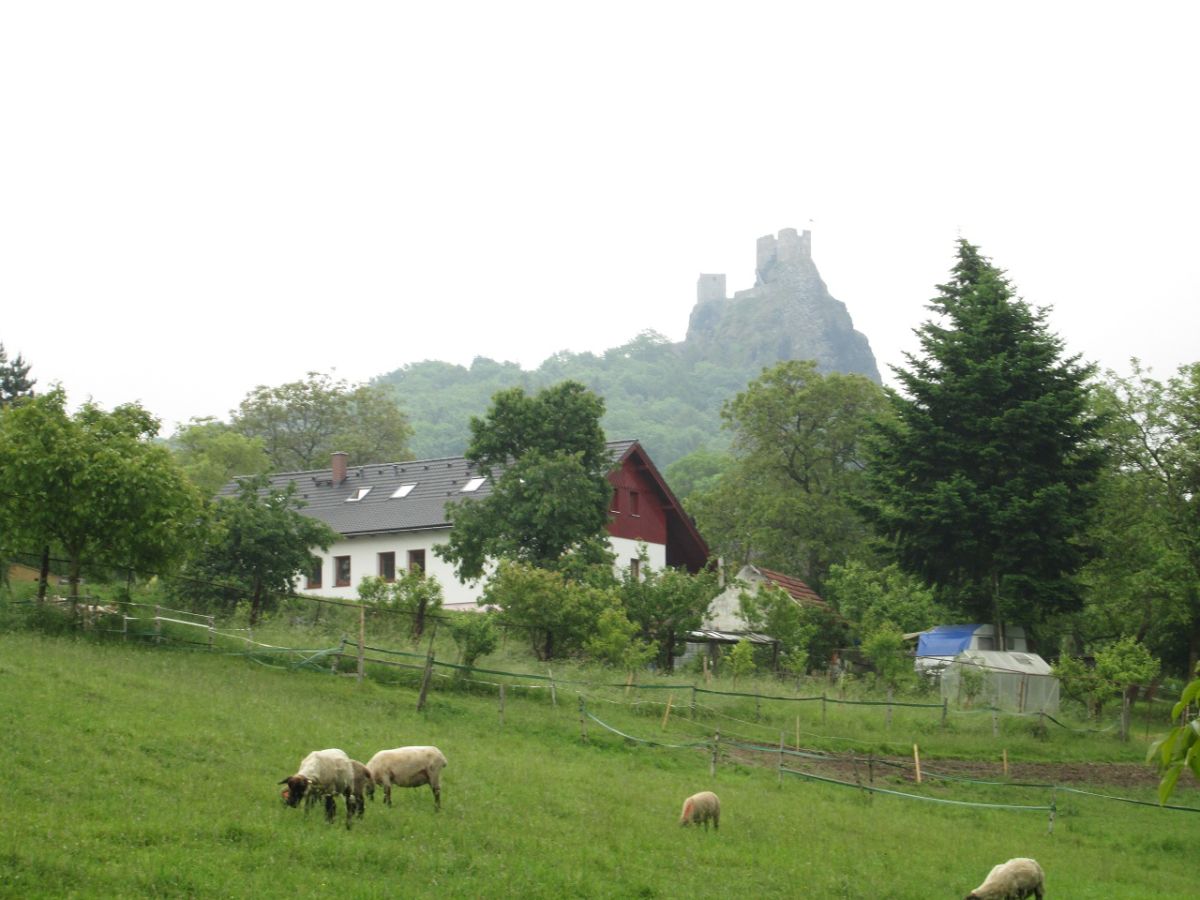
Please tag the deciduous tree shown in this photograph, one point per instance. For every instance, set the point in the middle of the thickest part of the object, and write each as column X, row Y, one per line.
column 1145, row 581
column 301, row 423
column 258, row 545
column 211, row 453
column 558, row 614
column 788, row 500
column 547, row 461
column 414, row 593
column 95, row 485
column 665, row 604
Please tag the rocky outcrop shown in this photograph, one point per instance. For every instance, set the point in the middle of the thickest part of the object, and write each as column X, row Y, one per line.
column 788, row 314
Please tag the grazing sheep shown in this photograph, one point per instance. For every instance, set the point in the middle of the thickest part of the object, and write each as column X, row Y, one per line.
column 362, row 786
column 408, row 767
column 323, row 773
column 1014, row 880
column 700, row 808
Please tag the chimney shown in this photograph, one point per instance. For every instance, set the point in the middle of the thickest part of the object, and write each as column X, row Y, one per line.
column 339, row 467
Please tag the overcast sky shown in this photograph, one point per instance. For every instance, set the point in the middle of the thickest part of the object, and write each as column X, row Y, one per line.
column 198, row 198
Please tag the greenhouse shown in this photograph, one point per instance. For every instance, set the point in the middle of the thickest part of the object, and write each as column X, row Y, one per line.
column 1010, row 680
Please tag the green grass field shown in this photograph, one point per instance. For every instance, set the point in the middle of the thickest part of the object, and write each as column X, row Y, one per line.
column 139, row 771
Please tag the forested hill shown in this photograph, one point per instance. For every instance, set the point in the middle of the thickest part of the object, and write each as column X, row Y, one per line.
column 666, row 395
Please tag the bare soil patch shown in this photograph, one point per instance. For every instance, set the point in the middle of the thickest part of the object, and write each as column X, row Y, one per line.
column 849, row 767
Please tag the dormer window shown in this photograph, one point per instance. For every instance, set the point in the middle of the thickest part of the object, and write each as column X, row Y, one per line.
column 473, row 485
column 403, row 491
column 358, row 495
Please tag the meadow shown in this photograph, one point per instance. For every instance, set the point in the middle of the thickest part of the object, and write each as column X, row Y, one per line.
column 134, row 770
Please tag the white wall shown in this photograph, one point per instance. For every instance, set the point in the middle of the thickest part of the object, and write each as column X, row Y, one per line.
column 364, row 560
column 626, row 549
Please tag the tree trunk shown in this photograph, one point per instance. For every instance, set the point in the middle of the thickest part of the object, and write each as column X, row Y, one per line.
column 997, row 625
column 74, row 567
column 256, row 602
column 670, row 650
column 419, row 621
column 44, row 574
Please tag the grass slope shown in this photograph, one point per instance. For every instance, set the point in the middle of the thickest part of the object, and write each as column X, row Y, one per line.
column 133, row 771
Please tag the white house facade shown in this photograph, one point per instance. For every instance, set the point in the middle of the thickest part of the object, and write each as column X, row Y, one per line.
column 390, row 518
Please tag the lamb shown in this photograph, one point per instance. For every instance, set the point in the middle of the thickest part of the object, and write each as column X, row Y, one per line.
column 1014, row 880
column 323, row 773
column 701, row 807
column 408, row 767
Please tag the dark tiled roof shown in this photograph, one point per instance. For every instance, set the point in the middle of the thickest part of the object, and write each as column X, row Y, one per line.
column 438, row 482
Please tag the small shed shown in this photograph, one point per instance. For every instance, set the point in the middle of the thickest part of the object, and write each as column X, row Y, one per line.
column 1006, row 679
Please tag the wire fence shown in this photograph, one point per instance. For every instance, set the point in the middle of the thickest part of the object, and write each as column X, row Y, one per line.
column 165, row 625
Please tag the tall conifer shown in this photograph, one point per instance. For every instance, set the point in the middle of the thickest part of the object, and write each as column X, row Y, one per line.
column 983, row 481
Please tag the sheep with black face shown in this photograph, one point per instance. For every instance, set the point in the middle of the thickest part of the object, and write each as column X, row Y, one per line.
column 323, row 774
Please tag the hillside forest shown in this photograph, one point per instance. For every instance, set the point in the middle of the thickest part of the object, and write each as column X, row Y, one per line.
column 1001, row 482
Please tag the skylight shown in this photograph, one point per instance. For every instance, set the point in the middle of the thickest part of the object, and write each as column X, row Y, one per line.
column 358, row 495
column 473, row 485
column 403, row 490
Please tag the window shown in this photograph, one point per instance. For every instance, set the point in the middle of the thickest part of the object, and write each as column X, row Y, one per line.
column 633, row 503
column 314, row 573
column 341, row 571
column 403, row 490
column 416, row 561
column 387, row 566
column 473, row 485
column 635, row 568
column 358, row 495
column 614, row 506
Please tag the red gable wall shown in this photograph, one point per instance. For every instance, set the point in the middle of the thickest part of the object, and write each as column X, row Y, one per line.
column 650, row 522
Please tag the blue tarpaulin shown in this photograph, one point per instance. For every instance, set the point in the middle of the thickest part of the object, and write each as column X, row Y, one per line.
column 945, row 640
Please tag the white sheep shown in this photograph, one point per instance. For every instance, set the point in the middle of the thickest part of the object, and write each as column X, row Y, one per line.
column 323, row 773
column 362, row 786
column 1014, row 880
column 408, row 767
column 701, row 807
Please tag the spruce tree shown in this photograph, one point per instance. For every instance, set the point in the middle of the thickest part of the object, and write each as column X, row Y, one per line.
column 14, row 378
column 984, row 480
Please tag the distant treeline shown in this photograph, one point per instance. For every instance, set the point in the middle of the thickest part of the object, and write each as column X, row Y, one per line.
column 654, row 391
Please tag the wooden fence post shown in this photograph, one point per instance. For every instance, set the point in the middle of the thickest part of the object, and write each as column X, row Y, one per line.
column 157, row 626
column 426, row 677
column 822, row 707
column 553, row 691
column 995, row 724
column 917, row 762
column 781, row 759
column 692, row 711
column 889, row 709
column 712, row 766
column 667, row 712
column 362, row 631
column 945, row 710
